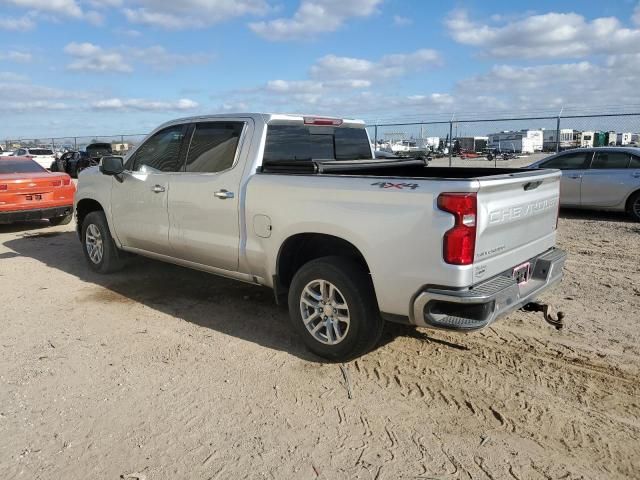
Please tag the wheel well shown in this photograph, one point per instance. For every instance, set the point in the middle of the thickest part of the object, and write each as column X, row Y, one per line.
column 302, row 248
column 629, row 198
column 84, row 208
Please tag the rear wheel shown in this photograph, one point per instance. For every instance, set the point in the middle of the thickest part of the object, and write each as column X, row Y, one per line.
column 633, row 206
column 332, row 306
column 99, row 248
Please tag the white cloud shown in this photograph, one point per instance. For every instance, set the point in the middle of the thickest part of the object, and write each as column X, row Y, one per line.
column 579, row 84
column 21, row 24
column 92, row 58
column 158, row 58
column 63, row 7
column 389, row 66
column 144, row 105
column 94, row 18
column 314, row 17
column 636, row 15
column 16, row 56
column 552, row 35
column 234, row 107
column 400, row 21
column 88, row 57
column 174, row 15
column 34, row 105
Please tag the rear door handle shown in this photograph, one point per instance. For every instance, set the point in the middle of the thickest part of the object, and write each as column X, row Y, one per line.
column 157, row 189
column 223, row 194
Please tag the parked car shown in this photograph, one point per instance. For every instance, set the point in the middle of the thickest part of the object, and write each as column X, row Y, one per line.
column 602, row 178
column 98, row 150
column 73, row 162
column 42, row 156
column 29, row 192
column 300, row 205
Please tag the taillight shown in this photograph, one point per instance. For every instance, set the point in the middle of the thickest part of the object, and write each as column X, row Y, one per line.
column 56, row 183
column 322, row 121
column 4, row 186
column 66, row 181
column 459, row 243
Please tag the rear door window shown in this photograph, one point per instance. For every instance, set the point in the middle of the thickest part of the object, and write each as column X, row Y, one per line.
column 635, row 162
column 610, row 160
column 213, row 146
column 299, row 142
column 568, row 161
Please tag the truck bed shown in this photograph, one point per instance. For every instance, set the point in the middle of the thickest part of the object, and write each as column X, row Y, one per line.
column 389, row 169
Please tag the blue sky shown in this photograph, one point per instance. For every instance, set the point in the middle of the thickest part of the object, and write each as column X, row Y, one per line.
column 88, row 67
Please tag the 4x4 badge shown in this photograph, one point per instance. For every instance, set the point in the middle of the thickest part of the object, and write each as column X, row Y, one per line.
column 399, row 186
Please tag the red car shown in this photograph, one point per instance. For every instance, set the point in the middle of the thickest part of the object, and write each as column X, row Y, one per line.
column 29, row 192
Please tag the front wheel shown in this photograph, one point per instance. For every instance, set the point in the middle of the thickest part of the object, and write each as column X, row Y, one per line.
column 633, row 206
column 333, row 308
column 99, row 248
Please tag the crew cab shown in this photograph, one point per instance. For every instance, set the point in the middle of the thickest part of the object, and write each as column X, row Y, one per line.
column 299, row 204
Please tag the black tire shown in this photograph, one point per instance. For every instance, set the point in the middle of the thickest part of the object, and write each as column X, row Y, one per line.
column 356, row 289
column 111, row 259
column 633, row 206
column 73, row 170
column 64, row 220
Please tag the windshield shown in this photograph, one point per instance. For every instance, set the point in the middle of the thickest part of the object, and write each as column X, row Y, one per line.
column 298, row 142
column 40, row 151
column 20, row 166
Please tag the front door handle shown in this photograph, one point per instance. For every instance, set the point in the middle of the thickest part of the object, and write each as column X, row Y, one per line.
column 575, row 176
column 636, row 175
column 157, row 189
column 223, row 194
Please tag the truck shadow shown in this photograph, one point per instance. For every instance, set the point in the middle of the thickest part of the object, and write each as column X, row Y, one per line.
column 227, row 306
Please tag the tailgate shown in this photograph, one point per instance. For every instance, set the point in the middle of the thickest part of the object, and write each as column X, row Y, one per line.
column 517, row 218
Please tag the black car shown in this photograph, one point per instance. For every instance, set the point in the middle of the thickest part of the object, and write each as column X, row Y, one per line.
column 74, row 162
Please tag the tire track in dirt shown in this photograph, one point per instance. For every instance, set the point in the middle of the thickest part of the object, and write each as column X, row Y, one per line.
column 522, row 387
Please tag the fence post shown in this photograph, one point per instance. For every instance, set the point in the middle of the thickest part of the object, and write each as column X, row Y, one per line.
column 375, row 135
column 450, row 141
column 75, row 143
column 558, row 134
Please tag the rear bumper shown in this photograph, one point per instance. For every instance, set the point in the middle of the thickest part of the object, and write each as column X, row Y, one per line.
column 478, row 306
column 35, row 214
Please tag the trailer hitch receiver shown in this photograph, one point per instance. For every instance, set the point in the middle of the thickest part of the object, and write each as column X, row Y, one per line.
column 545, row 309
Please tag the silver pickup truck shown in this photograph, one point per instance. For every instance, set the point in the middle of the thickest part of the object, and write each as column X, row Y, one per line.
column 299, row 204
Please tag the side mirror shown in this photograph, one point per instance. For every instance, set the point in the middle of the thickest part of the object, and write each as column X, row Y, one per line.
column 112, row 165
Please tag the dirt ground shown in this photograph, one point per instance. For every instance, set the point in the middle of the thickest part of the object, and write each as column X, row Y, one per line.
column 160, row 372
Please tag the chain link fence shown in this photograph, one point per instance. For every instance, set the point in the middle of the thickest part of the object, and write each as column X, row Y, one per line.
column 522, row 140
column 120, row 144
column 457, row 141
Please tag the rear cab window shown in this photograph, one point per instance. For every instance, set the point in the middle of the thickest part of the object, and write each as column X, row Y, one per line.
column 312, row 142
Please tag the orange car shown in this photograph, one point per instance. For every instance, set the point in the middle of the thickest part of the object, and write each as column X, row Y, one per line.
column 29, row 192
